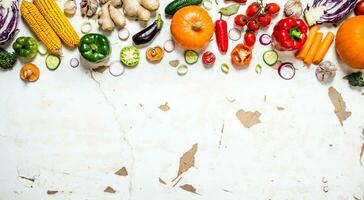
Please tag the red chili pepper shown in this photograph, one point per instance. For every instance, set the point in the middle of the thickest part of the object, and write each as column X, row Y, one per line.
column 222, row 35
column 289, row 34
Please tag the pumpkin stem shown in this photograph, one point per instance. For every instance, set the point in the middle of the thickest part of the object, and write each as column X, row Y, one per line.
column 197, row 27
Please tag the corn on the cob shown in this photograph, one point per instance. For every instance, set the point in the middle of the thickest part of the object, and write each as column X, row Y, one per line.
column 58, row 21
column 40, row 27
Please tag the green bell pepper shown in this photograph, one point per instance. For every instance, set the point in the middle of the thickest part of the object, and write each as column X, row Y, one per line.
column 26, row 47
column 94, row 47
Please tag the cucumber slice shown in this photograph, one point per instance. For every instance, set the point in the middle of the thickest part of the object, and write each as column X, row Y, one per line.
column 270, row 57
column 52, row 62
column 191, row 57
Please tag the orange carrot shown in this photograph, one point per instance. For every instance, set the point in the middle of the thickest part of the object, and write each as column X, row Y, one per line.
column 306, row 47
column 314, row 48
column 324, row 47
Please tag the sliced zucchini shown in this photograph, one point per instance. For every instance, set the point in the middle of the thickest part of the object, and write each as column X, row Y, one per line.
column 52, row 62
column 270, row 57
column 191, row 57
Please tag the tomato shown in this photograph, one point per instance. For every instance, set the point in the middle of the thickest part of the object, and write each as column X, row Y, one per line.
column 253, row 25
column 241, row 55
column 208, row 58
column 250, row 38
column 240, row 20
column 252, row 9
column 264, row 20
column 359, row 8
column 272, row 8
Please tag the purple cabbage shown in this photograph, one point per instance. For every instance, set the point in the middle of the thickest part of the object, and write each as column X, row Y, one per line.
column 330, row 11
column 9, row 19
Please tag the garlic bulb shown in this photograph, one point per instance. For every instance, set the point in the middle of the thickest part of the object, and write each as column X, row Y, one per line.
column 326, row 71
column 293, row 8
column 70, row 8
column 89, row 7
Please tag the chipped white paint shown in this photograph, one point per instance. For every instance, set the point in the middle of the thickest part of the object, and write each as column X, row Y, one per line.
column 71, row 135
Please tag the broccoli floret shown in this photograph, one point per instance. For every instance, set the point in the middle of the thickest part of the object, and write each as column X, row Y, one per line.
column 7, row 60
column 356, row 79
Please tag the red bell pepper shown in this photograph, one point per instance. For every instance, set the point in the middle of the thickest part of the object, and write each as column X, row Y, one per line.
column 289, row 34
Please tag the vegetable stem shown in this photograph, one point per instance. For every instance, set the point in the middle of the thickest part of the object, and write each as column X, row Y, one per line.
column 295, row 33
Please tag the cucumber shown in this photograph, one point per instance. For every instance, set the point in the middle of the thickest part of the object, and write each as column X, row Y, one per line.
column 191, row 57
column 270, row 57
column 52, row 62
column 175, row 5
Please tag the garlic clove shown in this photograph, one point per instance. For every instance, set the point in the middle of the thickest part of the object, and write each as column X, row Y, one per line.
column 70, row 8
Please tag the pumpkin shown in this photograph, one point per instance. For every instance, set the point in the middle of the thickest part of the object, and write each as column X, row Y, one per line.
column 350, row 42
column 192, row 27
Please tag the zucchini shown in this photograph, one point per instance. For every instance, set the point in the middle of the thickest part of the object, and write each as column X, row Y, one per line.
column 52, row 62
column 270, row 57
column 175, row 5
column 191, row 57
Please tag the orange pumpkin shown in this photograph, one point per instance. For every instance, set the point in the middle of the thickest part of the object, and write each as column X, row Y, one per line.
column 350, row 42
column 192, row 27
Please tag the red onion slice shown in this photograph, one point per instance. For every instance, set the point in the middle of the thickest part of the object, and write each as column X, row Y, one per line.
column 74, row 62
column 116, row 68
column 124, row 34
column 265, row 39
column 169, row 46
column 286, row 71
column 234, row 34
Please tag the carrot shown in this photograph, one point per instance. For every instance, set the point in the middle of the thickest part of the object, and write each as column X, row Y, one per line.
column 306, row 47
column 314, row 48
column 324, row 47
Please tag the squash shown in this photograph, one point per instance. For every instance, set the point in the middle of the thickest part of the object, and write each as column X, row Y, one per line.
column 350, row 42
column 192, row 27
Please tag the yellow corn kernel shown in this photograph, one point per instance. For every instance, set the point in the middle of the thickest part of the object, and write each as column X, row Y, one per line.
column 58, row 21
column 40, row 27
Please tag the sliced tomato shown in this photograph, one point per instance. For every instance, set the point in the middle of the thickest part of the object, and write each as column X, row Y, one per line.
column 241, row 55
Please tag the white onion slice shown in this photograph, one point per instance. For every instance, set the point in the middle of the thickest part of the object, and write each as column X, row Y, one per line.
column 74, row 62
column 207, row 4
column 234, row 34
column 86, row 27
column 124, row 34
column 169, row 46
column 116, row 68
column 42, row 50
column 182, row 70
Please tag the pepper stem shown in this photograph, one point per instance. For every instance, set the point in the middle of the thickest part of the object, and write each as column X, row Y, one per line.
column 295, row 33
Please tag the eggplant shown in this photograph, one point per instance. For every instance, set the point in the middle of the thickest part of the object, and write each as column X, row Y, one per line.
column 149, row 33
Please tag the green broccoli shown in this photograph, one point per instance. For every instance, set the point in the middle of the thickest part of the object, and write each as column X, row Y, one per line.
column 7, row 60
column 356, row 79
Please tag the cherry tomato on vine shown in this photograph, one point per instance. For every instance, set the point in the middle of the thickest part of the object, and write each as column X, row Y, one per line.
column 253, row 25
column 208, row 58
column 240, row 20
column 264, row 20
column 250, row 38
column 252, row 9
column 272, row 8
